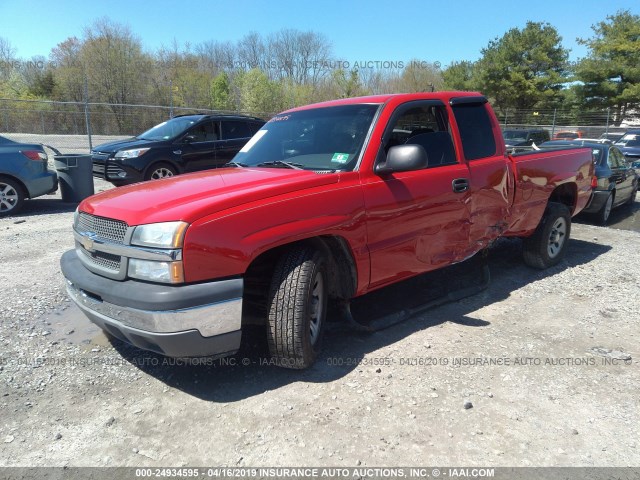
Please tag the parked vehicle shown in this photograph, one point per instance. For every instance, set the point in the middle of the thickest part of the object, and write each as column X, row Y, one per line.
column 524, row 137
column 24, row 173
column 613, row 137
column 629, row 144
column 617, row 181
column 327, row 201
column 568, row 135
column 187, row 143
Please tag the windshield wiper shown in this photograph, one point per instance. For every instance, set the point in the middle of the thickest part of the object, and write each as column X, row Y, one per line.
column 280, row 163
column 235, row 164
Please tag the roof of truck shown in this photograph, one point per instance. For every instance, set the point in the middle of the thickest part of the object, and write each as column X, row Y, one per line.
column 380, row 99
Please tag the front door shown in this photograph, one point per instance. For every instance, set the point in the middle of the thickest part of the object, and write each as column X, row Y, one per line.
column 417, row 221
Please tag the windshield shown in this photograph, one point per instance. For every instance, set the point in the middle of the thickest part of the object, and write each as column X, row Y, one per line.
column 329, row 138
column 170, row 129
column 629, row 140
column 514, row 135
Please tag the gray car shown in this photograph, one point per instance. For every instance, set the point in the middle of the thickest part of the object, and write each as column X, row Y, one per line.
column 24, row 173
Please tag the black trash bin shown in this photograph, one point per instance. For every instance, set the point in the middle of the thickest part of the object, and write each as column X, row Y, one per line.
column 75, row 175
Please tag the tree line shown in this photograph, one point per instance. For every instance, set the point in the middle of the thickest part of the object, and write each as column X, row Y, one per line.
column 523, row 70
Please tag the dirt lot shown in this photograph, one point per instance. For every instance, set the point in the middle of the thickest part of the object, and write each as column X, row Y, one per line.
column 547, row 364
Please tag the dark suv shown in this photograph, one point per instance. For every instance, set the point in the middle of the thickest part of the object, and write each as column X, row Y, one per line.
column 525, row 137
column 183, row 144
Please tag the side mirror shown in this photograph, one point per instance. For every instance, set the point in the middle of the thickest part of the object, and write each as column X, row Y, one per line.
column 403, row 158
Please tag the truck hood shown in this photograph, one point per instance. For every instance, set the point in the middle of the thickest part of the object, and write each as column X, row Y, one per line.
column 128, row 143
column 193, row 196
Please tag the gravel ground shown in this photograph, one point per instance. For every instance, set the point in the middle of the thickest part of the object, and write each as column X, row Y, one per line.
column 540, row 369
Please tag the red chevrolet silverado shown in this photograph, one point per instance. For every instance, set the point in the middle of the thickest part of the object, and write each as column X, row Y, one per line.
column 326, row 201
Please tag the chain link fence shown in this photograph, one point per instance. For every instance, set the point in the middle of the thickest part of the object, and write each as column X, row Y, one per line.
column 76, row 127
column 592, row 124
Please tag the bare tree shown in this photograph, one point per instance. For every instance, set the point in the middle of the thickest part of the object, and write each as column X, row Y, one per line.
column 253, row 52
column 115, row 65
column 216, row 57
column 69, row 71
column 7, row 57
column 303, row 57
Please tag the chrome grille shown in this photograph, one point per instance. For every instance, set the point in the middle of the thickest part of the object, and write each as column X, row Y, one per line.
column 113, row 230
column 104, row 260
column 98, row 168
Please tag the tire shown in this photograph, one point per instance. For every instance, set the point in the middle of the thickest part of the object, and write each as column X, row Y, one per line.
column 11, row 197
column 602, row 215
column 548, row 244
column 297, row 306
column 160, row 170
column 632, row 198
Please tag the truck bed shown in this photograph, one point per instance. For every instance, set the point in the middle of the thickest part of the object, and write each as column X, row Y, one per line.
column 537, row 175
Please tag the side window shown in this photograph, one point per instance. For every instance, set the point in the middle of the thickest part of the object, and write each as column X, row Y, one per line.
column 235, row 129
column 254, row 127
column 205, row 132
column 426, row 126
column 616, row 159
column 475, row 130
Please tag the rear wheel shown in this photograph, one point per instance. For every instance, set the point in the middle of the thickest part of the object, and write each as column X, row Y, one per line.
column 160, row 170
column 11, row 197
column 297, row 307
column 547, row 245
column 632, row 198
column 603, row 214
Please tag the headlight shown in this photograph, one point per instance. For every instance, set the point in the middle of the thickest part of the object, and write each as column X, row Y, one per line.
column 131, row 153
column 165, row 272
column 160, row 235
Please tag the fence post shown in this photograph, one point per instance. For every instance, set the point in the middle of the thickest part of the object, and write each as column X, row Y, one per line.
column 87, row 116
column 170, row 98
column 506, row 118
column 553, row 125
column 606, row 130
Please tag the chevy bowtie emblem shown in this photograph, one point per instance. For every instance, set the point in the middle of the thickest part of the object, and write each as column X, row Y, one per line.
column 87, row 243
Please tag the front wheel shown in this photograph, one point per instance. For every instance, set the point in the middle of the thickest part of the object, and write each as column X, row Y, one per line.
column 160, row 170
column 297, row 307
column 548, row 244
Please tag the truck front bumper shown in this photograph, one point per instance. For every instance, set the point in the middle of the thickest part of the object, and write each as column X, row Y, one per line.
column 177, row 321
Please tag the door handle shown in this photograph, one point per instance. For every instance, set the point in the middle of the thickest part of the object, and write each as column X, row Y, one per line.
column 460, row 185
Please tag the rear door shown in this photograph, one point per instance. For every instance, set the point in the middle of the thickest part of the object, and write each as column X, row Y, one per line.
column 491, row 181
column 235, row 133
column 417, row 221
column 623, row 176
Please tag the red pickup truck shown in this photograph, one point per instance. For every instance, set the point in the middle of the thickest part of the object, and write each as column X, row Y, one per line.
column 326, row 201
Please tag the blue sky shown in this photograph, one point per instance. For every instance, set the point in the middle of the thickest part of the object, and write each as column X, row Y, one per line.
column 361, row 31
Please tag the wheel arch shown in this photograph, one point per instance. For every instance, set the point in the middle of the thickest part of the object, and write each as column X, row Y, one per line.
column 565, row 194
column 160, row 161
column 22, row 185
column 341, row 271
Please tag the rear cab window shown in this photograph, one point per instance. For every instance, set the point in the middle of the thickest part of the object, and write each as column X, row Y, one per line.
column 474, row 125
